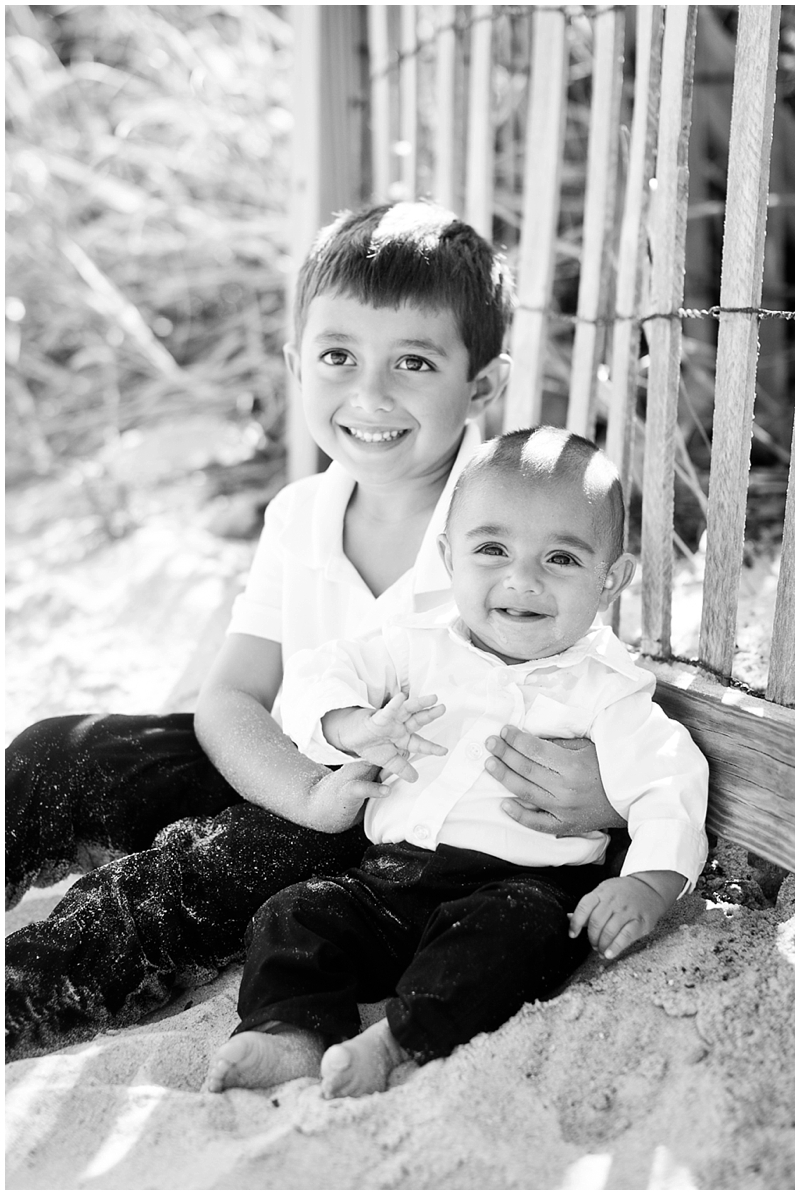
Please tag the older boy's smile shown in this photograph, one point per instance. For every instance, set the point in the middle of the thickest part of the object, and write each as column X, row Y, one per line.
column 367, row 436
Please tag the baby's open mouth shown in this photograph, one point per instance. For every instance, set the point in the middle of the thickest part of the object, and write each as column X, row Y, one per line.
column 374, row 437
column 522, row 615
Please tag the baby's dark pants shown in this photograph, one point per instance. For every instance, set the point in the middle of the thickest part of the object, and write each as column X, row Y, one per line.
column 197, row 863
column 462, row 939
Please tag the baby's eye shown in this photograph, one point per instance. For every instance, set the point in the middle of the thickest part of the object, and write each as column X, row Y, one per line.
column 491, row 550
column 562, row 558
column 335, row 357
column 415, row 364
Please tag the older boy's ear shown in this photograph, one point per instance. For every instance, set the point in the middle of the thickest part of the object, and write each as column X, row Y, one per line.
column 490, row 382
column 444, row 550
column 618, row 577
column 292, row 358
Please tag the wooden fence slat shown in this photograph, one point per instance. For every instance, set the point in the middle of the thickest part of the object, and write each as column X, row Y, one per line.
column 380, row 111
column 667, row 235
column 749, row 745
column 595, row 291
column 780, row 684
column 301, row 451
column 479, row 177
column 633, row 239
column 408, row 100
column 737, row 346
column 547, row 107
column 444, row 168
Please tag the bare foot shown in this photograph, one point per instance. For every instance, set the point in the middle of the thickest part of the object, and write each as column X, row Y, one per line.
column 262, row 1058
column 363, row 1064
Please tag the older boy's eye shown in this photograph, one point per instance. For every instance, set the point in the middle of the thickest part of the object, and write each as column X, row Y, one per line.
column 335, row 357
column 415, row 364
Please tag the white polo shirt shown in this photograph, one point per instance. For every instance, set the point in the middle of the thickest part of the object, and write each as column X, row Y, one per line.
column 303, row 591
column 653, row 773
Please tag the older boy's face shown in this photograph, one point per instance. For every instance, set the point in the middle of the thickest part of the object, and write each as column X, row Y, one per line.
column 528, row 564
column 385, row 390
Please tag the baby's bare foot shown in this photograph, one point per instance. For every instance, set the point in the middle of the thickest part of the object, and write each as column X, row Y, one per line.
column 262, row 1059
column 363, row 1064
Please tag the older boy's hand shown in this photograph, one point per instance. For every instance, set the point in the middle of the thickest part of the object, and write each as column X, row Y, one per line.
column 337, row 798
column 388, row 736
column 620, row 911
column 555, row 782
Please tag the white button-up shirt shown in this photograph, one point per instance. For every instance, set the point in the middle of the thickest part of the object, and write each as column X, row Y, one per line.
column 653, row 773
column 302, row 590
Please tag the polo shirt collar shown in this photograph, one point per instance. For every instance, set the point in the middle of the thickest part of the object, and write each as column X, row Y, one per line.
column 430, row 575
column 334, row 488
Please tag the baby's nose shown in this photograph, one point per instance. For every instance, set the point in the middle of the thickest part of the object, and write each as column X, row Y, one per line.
column 524, row 578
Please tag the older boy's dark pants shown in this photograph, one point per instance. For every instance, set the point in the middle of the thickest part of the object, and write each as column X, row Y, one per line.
column 198, row 862
column 461, row 938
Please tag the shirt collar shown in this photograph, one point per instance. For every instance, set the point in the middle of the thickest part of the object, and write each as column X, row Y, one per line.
column 333, row 490
column 599, row 643
column 430, row 574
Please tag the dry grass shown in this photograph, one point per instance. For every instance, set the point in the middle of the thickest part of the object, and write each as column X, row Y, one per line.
column 146, row 194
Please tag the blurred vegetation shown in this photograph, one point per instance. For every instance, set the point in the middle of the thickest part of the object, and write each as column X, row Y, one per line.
column 147, row 189
column 146, row 195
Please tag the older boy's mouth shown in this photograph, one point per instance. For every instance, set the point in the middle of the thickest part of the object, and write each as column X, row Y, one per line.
column 375, row 435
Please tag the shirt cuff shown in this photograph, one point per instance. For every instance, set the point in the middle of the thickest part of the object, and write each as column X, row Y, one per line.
column 667, row 845
column 305, row 729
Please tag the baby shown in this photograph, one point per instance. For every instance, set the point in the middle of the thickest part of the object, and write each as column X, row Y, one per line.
column 464, row 914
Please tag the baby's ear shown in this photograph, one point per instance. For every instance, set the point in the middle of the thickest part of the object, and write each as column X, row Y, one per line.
column 490, row 382
column 444, row 550
column 291, row 356
column 618, row 577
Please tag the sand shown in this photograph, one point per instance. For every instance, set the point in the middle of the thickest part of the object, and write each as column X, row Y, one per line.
column 671, row 1069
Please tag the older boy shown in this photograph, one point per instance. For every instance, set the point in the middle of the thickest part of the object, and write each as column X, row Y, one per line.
column 400, row 318
column 459, row 911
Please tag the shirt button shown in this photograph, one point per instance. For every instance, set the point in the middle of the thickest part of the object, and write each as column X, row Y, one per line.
column 422, row 831
column 474, row 751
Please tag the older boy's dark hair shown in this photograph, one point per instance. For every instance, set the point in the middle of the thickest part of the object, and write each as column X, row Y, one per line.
column 418, row 253
column 536, row 452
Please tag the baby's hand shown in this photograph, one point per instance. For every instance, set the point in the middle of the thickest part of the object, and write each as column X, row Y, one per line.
column 620, row 911
column 386, row 737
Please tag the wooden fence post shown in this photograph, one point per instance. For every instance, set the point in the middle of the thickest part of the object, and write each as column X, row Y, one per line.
column 444, row 149
column 326, row 162
column 480, row 141
column 633, row 239
column 737, row 350
column 595, row 291
column 380, row 111
column 408, row 100
column 547, row 107
column 667, row 235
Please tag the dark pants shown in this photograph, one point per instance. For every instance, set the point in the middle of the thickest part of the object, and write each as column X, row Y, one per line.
column 198, row 862
column 462, row 939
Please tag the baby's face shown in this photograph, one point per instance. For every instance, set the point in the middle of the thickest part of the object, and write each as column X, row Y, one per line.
column 529, row 565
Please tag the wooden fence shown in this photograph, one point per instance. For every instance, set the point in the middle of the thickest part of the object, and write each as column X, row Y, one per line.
column 398, row 101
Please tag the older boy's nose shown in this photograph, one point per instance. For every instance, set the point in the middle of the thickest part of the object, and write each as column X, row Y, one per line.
column 371, row 394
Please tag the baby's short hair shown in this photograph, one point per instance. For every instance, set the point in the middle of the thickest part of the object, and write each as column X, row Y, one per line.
column 538, row 453
column 416, row 253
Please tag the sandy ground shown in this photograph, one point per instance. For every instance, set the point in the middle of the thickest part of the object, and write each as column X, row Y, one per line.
column 671, row 1069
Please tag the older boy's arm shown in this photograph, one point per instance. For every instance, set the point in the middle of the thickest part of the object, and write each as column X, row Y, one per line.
column 245, row 743
column 620, row 911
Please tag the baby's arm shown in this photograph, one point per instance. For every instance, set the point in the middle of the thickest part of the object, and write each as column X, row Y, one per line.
column 620, row 911
column 387, row 736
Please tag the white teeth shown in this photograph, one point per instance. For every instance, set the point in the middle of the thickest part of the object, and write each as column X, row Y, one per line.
column 373, row 437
